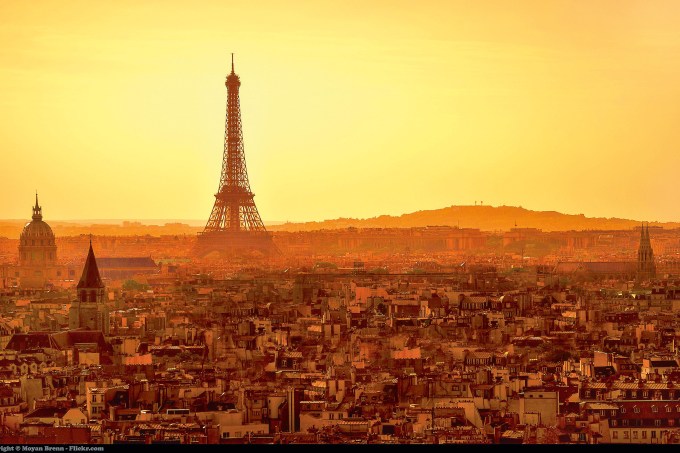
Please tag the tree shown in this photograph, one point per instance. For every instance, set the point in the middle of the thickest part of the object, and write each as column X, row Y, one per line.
column 134, row 285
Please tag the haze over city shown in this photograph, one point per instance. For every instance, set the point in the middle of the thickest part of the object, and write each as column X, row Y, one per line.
column 465, row 232
column 349, row 109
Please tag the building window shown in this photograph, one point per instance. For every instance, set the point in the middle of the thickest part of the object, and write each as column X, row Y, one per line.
column 645, row 394
column 613, row 422
column 644, row 434
column 657, row 422
column 636, row 410
column 615, row 435
column 634, row 434
column 625, row 434
column 623, row 410
column 668, row 408
column 624, row 422
column 655, row 409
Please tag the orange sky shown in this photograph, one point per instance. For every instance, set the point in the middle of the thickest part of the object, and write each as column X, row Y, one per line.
column 350, row 109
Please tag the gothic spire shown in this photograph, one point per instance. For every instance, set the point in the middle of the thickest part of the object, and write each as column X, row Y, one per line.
column 90, row 277
column 647, row 233
column 645, row 265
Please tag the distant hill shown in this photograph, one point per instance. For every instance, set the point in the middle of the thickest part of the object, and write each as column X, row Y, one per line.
column 485, row 218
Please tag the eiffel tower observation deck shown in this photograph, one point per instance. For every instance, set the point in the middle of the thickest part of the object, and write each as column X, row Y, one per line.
column 234, row 226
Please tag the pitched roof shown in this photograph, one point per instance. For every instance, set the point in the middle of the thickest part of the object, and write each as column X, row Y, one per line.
column 32, row 340
column 600, row 406
column 57, row 340
column 596, row 267
column 90, row 277
column 664, row 363
column 68, row 339
column 127, row 262
column 47, row 412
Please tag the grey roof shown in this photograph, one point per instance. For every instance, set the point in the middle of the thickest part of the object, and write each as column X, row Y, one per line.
column 126, row 262
column 90, row 277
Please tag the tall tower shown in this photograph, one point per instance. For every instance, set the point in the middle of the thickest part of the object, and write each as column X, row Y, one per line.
column 89, row 310
column 646, row 268
column 235, row 224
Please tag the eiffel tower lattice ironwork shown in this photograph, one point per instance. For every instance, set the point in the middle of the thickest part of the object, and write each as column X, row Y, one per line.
column 234, row 225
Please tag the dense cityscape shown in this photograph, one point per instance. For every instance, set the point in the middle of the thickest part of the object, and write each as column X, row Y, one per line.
column 466, row 229
column 425, row 343
column 423, row 335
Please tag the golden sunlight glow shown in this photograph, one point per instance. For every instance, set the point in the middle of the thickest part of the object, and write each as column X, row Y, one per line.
column 350, row 109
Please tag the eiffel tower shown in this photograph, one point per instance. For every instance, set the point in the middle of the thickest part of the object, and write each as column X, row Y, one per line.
column 234, row 226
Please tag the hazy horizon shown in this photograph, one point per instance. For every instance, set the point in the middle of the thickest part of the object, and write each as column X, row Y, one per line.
column 202, row 222
column 159, row 222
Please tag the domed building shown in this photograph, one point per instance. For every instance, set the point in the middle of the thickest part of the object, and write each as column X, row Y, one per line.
column 37, row 252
